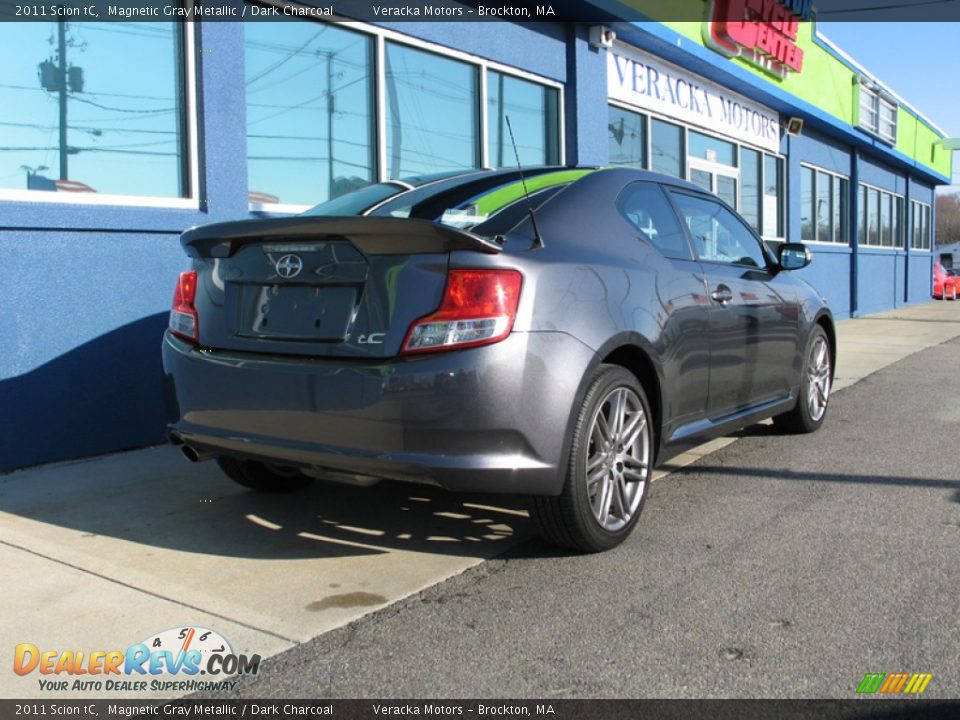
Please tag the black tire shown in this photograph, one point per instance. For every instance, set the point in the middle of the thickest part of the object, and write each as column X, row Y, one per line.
column 806, row 416
column 260, row 476
column 572, row 519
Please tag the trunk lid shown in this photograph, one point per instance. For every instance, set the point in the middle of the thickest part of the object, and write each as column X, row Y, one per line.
column 323, row 287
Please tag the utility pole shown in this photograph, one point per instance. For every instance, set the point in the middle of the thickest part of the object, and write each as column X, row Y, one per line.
column 62, row 61
column 330, row 111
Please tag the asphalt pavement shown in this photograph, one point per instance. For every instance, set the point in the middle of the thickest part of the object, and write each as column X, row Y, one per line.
column 763, row 566
column 778, row 566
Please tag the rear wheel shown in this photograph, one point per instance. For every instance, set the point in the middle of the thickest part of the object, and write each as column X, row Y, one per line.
column 815, row 383
column 608, row 472
column 263, row 476
column 950, row 293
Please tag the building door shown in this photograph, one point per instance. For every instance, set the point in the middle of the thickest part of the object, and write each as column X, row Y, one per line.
column 722, row 180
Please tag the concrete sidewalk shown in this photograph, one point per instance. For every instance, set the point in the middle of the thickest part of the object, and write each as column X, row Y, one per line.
column 105, row 553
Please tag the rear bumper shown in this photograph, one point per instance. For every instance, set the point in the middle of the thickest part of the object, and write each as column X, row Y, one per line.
column 488, row 419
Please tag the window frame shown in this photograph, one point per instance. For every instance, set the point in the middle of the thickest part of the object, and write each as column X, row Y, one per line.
column 899, row 226
column 837, row 178
column 482, row 66
column 189, row 161
column 923, row 211
column 868, row 108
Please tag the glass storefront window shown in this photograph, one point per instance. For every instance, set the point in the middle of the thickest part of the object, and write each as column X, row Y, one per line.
column 839, row 210
column 773, row 199
column 750, row 187
column 627, row 138
column 667, row 148
column 108, row 117
column 886, row 225
column 806, row 204
column 711, row 148
column 823, row 205
column 824, row 213
column 873, row 217
column 534, row 116
column 309, row 111
column 921, row 226
column 432, row 113
column 862, row 216
column 881, row 218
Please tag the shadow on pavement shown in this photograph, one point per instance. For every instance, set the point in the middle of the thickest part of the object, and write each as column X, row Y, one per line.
column 154, row 497
column 784, row 474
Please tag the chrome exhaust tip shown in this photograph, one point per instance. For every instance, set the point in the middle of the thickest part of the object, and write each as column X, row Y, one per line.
column 194, row 455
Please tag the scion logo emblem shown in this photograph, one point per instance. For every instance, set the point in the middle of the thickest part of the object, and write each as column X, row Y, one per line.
column 289, row 266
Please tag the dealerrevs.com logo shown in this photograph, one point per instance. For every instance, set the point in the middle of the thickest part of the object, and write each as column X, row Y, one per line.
column 169, row 661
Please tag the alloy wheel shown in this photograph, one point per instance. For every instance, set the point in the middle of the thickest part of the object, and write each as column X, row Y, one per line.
column 818, row 380
column 618, row 458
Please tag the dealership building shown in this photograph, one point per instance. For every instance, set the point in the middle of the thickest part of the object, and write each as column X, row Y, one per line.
column 118, row 137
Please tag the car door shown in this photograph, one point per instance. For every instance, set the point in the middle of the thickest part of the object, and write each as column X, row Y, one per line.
column 753, row 319
column 679, row 302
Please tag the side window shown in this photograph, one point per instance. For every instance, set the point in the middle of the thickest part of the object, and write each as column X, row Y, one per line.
column 647, row 210
column 718, row 235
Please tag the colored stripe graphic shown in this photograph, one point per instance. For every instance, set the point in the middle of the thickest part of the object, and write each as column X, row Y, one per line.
column 894, row 683
column 918, row 683
column 870, row 683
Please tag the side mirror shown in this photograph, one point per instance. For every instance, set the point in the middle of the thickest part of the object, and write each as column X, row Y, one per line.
column 794, row 256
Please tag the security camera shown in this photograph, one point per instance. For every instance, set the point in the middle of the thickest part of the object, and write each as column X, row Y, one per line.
column 602, row 37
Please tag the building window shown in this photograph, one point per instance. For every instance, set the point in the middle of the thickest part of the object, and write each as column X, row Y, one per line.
column 309, row 111
column 877, row 111
column 773, row 197
column 823, row 206
column 920, row 237
column 667, row 155
column 754, row 182
column 533, row 111
column 313, row 101
column 627, row 138
column 840, row 211
column 881, row 220
column 710, row 148
column 750, row 172
column 94, row 108
column 432, row 113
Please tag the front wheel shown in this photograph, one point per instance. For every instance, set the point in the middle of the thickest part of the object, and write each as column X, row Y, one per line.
column 950, row 294
column 263, row 476
column 609, row 468
column 815, row 383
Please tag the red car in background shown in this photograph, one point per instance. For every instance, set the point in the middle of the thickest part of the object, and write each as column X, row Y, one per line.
column 945, row 287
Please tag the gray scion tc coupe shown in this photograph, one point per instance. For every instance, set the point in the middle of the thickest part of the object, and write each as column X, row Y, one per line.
column 556, row 341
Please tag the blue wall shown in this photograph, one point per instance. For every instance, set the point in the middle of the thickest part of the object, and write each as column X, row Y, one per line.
column 90, row 288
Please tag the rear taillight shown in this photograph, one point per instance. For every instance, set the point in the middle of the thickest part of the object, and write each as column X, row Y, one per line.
column 183, row 315
column 478, row 308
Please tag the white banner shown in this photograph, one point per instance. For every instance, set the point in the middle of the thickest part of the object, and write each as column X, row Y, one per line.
column 649, row 83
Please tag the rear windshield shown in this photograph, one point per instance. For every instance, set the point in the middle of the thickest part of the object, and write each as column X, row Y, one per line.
column 358, row 201
column 477, row 202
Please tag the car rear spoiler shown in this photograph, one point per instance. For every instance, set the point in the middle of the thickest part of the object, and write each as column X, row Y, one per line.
column 373, row 236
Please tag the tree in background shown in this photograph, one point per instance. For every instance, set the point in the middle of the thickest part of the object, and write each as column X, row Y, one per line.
column 948, row 218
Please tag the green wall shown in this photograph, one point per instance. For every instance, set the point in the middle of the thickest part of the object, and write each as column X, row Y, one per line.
column 828, row 83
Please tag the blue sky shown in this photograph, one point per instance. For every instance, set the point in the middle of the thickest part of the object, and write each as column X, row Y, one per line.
column 919, row 61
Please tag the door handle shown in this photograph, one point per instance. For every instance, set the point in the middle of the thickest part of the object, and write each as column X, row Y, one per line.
column 722, row 294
